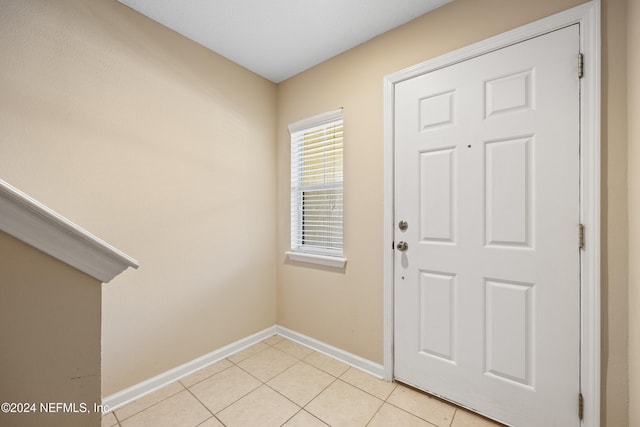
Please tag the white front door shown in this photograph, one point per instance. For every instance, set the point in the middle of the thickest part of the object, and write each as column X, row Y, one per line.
column 487, row 291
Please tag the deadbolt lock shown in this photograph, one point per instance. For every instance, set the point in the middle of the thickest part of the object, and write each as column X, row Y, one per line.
column 403, row 225
column 402, row 246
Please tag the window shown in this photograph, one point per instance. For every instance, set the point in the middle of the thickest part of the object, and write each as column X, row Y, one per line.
column 316, row 190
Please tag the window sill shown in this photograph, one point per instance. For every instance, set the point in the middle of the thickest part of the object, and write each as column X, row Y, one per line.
column 329, row 261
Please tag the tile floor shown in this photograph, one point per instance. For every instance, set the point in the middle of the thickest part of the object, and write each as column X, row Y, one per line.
column 280, row 383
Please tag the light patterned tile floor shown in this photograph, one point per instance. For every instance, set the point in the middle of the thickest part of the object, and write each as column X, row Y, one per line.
column 281, row 383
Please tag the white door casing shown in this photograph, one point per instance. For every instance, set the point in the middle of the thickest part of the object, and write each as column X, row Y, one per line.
column 506, row 219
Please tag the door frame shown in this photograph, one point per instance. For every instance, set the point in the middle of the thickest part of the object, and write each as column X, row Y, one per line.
column 588, row 16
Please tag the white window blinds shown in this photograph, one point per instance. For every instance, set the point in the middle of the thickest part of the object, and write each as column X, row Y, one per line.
column 316, row 185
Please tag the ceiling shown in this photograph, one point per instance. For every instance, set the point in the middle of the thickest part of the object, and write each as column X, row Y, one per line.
column 278, row 39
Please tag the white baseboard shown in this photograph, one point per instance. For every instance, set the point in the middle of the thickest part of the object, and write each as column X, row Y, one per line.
column 121, row 398
column 135, row 392
column 350, row 359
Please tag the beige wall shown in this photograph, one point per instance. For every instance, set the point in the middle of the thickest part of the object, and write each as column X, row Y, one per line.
column 345, row 308
column 614, row 225
column 50, row 335
column 160, row 147
column 633, row 73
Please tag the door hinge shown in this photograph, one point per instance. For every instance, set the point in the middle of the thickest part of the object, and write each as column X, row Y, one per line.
column 581, row 236
column 580, row 406
column 580, row 65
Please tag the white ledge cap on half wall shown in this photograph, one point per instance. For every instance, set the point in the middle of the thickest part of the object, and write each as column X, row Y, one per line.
column 28, row 220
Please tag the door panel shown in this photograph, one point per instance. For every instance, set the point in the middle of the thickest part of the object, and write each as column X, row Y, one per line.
column 509, row 326
column 437, row 314
column 508, row 198
column 437, row 192
column 487, row 176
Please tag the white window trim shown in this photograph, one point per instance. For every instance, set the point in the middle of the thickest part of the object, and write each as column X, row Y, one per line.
column 320, row 119
column 326, row 259
column 330, row 261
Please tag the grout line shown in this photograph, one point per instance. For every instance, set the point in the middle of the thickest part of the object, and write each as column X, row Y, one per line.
column 307, row 412
column 319, row 393
column 258, row 379
column 201, row 402
column 411, row 413
column 240, row 398
column 291, row 417
column 366, row 391
column 277, row 392
column 206, row 378
column 116, row 417
column 117, row 423
column 415, row 415
column 322, row 421
column 271, row 387
column 321, row 369
column 316, row 396
column 250, row 355
column 152, row 405
column 375, row 413
column 264, row 383
column 212, row 417
column 312, row 398
column 454, row 417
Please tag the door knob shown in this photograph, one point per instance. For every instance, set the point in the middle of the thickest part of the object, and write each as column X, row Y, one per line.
column 402, row 246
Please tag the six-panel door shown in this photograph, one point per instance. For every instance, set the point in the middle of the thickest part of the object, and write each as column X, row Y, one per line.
column 487, row 178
